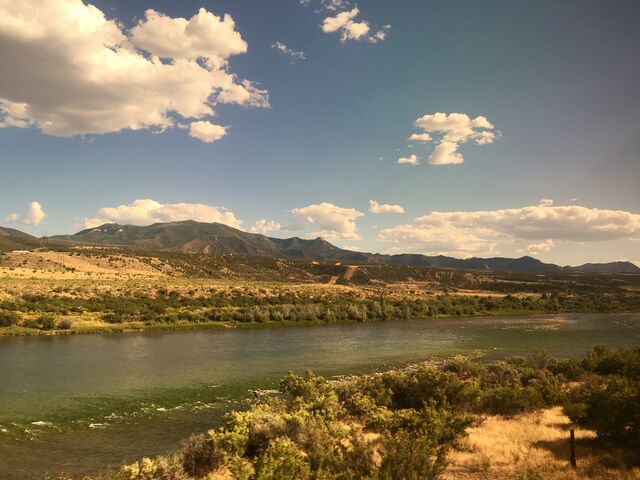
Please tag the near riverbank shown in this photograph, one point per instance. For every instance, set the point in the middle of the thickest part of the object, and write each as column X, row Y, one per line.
column 508, row 419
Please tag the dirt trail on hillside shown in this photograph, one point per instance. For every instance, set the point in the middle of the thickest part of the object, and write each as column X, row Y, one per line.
column 350, row 271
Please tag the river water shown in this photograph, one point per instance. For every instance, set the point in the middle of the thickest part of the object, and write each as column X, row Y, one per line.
column 83, row 404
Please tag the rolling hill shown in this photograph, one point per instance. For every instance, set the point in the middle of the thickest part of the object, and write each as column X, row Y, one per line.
column 218, row 239
column 11, row 239
column 209, row 238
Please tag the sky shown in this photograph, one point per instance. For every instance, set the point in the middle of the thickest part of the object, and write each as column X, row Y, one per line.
column 464, row 128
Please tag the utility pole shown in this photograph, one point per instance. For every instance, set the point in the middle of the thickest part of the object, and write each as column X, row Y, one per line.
column 44, row 241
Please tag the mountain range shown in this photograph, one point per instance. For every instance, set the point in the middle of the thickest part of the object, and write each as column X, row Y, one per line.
column 218, row 239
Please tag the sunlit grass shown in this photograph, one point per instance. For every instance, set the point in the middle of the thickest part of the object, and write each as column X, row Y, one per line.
column 534, row 445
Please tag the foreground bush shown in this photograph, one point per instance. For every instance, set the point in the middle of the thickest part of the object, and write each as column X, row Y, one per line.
column 200, row 455
column 608, row 400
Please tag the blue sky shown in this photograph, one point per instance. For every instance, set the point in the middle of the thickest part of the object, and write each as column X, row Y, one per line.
column 556, row 82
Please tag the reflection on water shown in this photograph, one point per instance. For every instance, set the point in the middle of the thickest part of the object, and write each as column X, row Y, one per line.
column 82, row 403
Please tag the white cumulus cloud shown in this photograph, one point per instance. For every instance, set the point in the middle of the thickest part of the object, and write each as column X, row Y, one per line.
column 420, row 137
column 330, row 221
column 410, row 160
column 147, row 212
column 452, row 130
column 206, row 131
column 33, row 216
column 440, row 241
column 265, row 226
column 446, row 153
column 69, row 70
column 375, row 207
column 480, row 232
column 345, row 23
column 538, row 248
column 204, row 35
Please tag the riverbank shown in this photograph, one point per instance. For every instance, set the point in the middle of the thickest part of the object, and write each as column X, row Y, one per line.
column 80, row 327
column 93, row 327
column 456, row 419
column 146, row 310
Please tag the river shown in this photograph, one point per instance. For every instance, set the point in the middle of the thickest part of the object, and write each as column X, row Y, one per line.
column 83, row 404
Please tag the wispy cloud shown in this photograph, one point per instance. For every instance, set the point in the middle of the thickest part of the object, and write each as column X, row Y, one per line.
column 294, row 55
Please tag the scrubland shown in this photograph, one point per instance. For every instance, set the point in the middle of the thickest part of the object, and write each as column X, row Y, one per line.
column 45, row 293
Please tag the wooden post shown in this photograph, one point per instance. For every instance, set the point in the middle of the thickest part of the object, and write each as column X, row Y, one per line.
column 572, row 442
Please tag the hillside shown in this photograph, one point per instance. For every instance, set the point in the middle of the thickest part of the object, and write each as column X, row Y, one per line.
column 218, row 239
column 11, row 239
column 210, row 238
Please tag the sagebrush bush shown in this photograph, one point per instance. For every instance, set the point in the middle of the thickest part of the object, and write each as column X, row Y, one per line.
column 201, row 454
column 282, row 460
column 65, row 324
column 8, row 319
column 46, row 322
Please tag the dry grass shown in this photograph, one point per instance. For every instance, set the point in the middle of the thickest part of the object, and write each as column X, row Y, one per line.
column 61, row 265
column 535, row 446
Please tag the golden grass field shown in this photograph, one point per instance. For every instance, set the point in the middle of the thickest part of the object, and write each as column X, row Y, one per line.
column 535, row 446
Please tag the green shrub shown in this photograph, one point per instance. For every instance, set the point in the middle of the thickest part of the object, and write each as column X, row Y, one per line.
column 282, row 460
column 31, row 323
column 147, row 469
column 113, row 318
column 8, row 319
column 65, row 324
column 46, row 322
column 505, row 399
column 624, row 362
column 201, row 454
column 610, row 406
column 410, row 455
